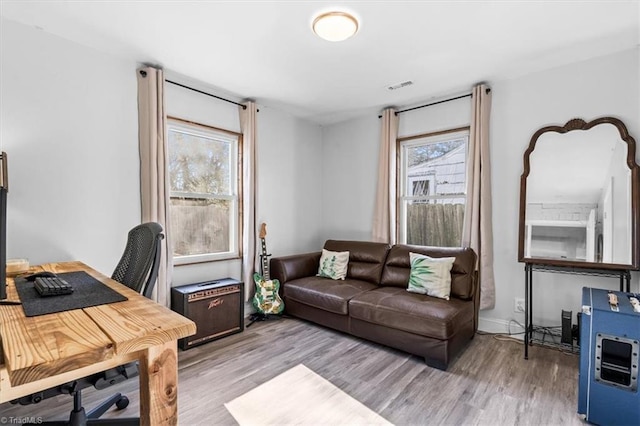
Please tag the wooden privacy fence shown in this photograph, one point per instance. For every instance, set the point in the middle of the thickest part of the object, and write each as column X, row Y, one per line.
column 437, row 225
column 198, row 228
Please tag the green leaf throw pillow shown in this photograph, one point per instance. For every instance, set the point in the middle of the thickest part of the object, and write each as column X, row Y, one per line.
column 333, row 264
column 430, row 275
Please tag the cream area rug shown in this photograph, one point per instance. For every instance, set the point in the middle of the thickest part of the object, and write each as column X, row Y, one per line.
column 300, row 397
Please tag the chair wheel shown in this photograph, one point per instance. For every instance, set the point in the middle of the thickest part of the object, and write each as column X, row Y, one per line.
column 122, row 403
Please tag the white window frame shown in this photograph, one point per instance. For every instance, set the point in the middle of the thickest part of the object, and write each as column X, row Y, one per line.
column 235, row 174
column 406, row 143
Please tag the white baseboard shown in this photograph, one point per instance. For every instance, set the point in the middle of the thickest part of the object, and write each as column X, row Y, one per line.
column 490, row 325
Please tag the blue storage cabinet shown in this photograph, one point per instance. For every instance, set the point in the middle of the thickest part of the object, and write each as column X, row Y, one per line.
column 609, row 347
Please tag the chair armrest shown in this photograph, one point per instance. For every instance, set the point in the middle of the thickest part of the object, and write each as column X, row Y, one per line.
column 289, row 268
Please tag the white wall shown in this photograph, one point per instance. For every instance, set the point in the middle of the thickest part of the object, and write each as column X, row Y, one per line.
column 70, row 128
column 445, row 116
column 289, row 182
column 349, row 163
column 590, row 89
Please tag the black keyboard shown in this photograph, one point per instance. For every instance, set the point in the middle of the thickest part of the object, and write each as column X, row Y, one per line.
column 52, row 286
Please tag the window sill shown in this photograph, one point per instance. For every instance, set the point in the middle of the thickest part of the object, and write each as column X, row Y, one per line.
column 209, row 260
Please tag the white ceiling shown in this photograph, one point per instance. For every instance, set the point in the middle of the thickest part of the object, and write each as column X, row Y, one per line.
column 266, row 50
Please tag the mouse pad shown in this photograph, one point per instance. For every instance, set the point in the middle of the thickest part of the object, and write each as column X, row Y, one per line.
column 87, row 291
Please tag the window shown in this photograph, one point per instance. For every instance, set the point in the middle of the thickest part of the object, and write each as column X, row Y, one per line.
column 204, row 177
column 432, row 188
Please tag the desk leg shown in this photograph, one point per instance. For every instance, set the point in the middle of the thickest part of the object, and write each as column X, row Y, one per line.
column 159, row 385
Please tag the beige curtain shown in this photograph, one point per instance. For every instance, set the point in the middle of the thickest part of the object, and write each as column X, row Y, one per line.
column 249, row 191
column 154, row 179
column 384, row 215
column 477, row 231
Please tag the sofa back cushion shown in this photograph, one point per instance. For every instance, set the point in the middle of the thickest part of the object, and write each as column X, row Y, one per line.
column 398, row 267
column 366, row 259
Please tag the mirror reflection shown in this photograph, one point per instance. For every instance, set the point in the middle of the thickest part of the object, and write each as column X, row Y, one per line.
column 578, row 197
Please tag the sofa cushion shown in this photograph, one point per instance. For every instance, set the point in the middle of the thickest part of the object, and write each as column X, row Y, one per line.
column 366, row 259
column 398, row 267
column 325, row 293
column 333, row 264
column 430, row 275
column 420, row 314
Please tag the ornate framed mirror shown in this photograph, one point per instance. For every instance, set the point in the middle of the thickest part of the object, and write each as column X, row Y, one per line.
column 580, row 197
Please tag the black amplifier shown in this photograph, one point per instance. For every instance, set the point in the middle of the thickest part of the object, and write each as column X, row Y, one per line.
column 217, row 308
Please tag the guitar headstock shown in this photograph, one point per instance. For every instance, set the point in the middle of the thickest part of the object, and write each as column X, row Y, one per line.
column 263, row 230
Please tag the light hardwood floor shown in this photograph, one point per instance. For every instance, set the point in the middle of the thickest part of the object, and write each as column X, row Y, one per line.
column 489, row 384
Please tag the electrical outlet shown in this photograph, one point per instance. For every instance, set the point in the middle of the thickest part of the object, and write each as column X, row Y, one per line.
column 518, row 305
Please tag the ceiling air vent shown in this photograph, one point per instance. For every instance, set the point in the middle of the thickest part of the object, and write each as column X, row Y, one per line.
column 400, row 85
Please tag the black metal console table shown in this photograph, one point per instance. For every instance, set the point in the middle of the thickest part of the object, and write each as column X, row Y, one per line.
column 623, row 274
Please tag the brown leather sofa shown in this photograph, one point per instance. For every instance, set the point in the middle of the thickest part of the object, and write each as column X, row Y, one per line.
column 373, row 303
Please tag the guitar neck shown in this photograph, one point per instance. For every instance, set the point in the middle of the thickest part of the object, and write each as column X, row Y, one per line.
column 265, row 261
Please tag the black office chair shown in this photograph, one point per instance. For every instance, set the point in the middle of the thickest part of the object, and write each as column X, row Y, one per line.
column 137, row 269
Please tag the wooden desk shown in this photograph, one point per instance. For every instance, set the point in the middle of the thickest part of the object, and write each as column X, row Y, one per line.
column 48, row 350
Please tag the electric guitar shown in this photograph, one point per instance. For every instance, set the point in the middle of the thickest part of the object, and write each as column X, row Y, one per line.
column 266, row 300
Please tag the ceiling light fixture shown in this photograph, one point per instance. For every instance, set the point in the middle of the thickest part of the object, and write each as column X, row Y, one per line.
column 335, row 26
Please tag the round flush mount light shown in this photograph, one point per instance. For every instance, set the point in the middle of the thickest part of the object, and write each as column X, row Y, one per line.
column 335, row 26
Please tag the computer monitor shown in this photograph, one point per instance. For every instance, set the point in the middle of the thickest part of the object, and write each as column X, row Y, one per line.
column 4, row 188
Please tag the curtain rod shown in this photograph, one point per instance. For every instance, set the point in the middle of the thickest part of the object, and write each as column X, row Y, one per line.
column 208, row 94
column 468, row 95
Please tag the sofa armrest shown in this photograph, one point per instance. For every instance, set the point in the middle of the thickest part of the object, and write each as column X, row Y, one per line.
column 289, row 268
